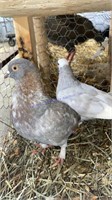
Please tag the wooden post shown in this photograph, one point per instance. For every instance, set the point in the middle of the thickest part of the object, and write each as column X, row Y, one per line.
column 25, row 37
column 110, row 60
column 42, row 50
column 32, row 44
column 41, row 43
column 110, row 52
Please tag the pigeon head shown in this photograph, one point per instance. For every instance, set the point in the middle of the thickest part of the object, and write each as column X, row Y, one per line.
column 18, row 68
column 62, row 62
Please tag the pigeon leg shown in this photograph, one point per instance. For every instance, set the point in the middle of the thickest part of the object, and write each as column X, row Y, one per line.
column 101, row 49
column 43, row 148
column 34, row 151
column 70, row 56
column 62, row 154
column 61, row 157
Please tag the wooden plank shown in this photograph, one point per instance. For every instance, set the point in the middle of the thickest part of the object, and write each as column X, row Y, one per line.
column 51, row 7
column 25, row 37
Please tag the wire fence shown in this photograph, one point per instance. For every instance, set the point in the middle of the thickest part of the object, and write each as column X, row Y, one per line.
column 7, row 52
column 87, row 167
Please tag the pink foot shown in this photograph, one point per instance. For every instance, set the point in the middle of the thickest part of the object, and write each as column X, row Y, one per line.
column 42, row 147
column 58, row 162
column 34, row 152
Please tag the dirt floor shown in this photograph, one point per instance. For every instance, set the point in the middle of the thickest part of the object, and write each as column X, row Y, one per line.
column 86, row 172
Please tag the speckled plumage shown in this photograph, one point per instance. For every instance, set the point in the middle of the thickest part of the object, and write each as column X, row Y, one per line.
column 36, row 116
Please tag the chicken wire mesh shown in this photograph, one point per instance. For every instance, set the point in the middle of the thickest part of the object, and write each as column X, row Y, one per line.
column 87, row 168
column 7, row 51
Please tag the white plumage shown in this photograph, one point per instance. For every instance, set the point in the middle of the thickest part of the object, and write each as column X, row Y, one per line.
column 87, row 100
column 100, row 20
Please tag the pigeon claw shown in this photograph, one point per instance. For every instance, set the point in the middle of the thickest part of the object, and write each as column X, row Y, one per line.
column 34, row 152
column 44, row 147
column 58, row 162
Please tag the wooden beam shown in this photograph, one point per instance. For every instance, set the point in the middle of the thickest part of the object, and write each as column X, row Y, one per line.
column 51, row 7
column 25, row 37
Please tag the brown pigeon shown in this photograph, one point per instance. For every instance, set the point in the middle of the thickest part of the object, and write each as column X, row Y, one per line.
column 35, row 115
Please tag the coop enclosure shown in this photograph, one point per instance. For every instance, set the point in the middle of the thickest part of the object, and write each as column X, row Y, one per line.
column 28, row 20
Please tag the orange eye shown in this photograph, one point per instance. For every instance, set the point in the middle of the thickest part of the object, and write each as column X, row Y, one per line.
column 14, row 68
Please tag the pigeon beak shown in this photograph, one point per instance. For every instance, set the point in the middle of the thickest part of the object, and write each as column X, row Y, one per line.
column 7, row 74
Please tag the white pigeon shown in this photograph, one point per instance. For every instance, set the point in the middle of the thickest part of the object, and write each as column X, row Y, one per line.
column 87, row 100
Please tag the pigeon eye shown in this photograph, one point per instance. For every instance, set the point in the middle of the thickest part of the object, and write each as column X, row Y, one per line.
column 14, row 68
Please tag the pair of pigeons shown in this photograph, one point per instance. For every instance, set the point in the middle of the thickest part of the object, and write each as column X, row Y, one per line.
column 48, row 121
